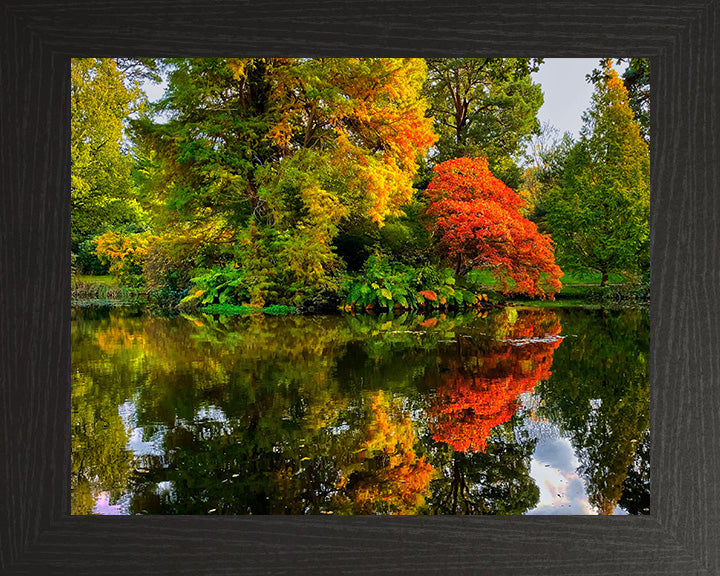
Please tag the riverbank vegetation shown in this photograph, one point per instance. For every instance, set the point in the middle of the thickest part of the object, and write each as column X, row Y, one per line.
column 312, row 185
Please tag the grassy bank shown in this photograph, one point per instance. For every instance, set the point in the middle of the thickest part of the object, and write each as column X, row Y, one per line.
column 579, row 289
column 101, row 291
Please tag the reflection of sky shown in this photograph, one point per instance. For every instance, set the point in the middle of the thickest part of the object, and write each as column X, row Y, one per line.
column 140, row 447
column 136, row 443
column 103, row 506
column 553, row 465
column 153, row 446
column 554, row 468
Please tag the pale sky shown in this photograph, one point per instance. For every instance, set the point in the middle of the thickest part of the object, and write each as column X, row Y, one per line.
column 567, row 93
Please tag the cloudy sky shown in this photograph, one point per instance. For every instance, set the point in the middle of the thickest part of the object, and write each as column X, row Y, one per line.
column 567, row 93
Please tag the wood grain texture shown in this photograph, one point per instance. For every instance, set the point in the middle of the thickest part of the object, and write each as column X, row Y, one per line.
column 682, row 535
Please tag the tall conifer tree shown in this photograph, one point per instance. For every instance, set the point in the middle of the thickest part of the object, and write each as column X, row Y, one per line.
column 599, row 216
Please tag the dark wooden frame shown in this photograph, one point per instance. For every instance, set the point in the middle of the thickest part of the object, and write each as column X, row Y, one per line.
column 37, row 535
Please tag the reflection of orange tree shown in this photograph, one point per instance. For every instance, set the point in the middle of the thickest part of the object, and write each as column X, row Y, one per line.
column 387, row 475
column 477, row 395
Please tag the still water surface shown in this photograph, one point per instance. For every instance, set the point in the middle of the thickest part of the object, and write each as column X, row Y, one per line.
column 527, row 410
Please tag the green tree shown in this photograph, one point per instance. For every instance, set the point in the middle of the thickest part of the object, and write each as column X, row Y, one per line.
column 547, row 152
column 637, row 81
column 484, row 107
column 599, row 216
column 101, row 194
column 263, row 159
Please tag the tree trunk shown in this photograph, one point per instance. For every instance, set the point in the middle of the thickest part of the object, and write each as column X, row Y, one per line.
column 604, row 279
column 458, row 265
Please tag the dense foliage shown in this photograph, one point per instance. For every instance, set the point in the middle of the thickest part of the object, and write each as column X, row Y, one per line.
column 479, row 224
column 484, row 108
column 387, row 285
column 399, row 190
column 600, row 214
column 101, row 192
column 262, row 160
column 360, row 182
column 636, row 79
column 291, row 414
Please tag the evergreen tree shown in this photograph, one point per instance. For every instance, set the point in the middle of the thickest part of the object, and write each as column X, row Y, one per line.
column 599, row 216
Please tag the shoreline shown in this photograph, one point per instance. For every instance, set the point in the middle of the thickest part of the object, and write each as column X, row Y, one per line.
column 247, row 311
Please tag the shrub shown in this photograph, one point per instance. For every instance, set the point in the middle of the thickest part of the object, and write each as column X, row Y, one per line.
column 167, row 270
column 165, row 264
column 87, row 260
column 383, row 284
column 227, row 285
column 125, row 254
column 98, row 293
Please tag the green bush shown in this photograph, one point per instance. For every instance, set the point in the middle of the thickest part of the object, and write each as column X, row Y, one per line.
column 235, row 310
column 165, row 300
column 166, row 271
column 220, row 286
column 383, row 284
column 87, row 261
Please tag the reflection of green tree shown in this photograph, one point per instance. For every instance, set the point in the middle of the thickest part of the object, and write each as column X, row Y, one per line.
column 495, row 481
column 599, row 393
column 100, row 461
column 100, row 382
column 355, row 459
column 401, row 352
column 635, row 497
column 293, row 400
column 232, row 468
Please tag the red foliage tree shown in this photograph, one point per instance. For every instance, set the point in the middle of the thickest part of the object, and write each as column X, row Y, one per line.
column 479, row 224
column 480, row 392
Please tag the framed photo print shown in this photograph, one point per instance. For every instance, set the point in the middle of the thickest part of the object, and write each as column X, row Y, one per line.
column 359, row 288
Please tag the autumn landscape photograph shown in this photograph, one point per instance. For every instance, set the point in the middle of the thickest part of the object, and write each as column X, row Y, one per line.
column 360, row 286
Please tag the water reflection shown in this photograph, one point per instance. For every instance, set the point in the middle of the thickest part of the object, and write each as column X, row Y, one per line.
column 354, row 415
column 600, row 397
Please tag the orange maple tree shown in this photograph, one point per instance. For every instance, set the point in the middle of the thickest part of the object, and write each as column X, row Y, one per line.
column 479, row 224
column 480, row 392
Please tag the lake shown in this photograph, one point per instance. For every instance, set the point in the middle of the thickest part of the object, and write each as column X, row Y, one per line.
column 508, row 411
